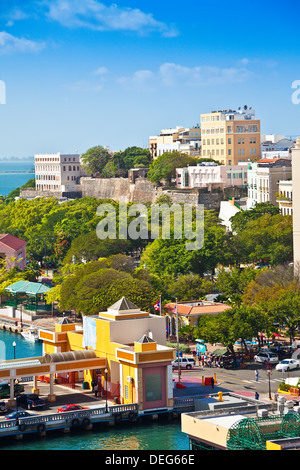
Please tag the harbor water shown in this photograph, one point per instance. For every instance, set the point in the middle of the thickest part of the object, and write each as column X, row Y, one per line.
column 14, row 174
column 155, row 435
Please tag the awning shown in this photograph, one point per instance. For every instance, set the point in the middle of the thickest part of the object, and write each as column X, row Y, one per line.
column 27, row 287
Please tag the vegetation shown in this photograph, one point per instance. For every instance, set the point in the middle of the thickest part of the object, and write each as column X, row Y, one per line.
column 92, row 274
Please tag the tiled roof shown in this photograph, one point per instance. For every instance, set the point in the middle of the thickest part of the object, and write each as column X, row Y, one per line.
column 10, row 243
column 205, row 308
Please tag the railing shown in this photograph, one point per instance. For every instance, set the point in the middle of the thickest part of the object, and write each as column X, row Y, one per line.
column 69, row 416
column 184, row 402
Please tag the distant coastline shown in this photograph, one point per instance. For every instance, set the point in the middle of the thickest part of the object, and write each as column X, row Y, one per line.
column 16, row 159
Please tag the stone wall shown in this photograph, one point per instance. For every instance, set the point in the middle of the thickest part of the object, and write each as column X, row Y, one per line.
column 123, row 190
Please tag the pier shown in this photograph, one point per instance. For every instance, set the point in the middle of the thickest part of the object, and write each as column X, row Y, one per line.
column 84, row 420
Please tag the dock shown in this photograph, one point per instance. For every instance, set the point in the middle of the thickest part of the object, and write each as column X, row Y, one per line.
column 84, row 419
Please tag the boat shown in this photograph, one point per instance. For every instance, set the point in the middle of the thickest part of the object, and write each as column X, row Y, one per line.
column 31, row 334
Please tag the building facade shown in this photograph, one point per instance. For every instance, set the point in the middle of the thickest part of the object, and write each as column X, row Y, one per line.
column 285, row 197
column 136, row 364
column 13, row 251
column 206, row 174
column 57, row 172
column 179, row 139
column 296, row 203
column 263, row 178
column 230, row 136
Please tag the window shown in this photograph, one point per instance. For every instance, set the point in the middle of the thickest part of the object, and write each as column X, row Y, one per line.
column 153, row 387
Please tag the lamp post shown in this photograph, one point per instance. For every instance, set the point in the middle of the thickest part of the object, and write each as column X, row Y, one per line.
column 14, row 345
column 177, row 331
column 106, row 372
column 269, row 376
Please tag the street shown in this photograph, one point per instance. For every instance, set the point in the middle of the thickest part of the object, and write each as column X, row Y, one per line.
column 236, row 379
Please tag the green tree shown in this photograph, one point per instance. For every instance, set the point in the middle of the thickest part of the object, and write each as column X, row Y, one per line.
column 95, row 159
column 233, row 283
column 190, row 287
column 240, row 220
column 164, row 167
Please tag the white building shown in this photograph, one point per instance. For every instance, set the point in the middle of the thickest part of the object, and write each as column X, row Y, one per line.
column 263, row 178
column 205, row 174
column 57, row 172
column 296, row 204
column 285, row 197
column 178, row 139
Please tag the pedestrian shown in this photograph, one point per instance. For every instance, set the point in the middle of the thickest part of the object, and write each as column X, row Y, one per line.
column 212, row 382
column 256, row 375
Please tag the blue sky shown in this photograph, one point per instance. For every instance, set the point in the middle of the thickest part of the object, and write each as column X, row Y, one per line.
column 80, row 73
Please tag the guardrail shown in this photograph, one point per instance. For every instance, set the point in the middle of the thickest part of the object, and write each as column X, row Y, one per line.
column 69, row 416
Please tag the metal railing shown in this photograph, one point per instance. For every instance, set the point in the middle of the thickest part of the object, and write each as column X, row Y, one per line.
column 69, row 416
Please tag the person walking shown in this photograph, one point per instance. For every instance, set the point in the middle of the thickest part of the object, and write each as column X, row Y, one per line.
column 212, row 382
column 256, row 375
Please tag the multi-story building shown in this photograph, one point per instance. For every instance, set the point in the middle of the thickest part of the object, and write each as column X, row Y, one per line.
column 207, row 174
column 179, row 139
column 296, row 204
column 263, row 178
column 57, row 172
column 285, row 197
column 230, row 136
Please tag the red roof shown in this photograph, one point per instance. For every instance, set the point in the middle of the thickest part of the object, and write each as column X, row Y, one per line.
column 205, row 308
column 268, row 160
column 10, row 243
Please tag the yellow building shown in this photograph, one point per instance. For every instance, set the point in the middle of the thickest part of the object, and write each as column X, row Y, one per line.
column 230, row 137
column 136, row 364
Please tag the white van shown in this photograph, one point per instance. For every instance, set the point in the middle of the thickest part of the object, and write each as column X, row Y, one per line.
column 184, row 363
column 265, row 357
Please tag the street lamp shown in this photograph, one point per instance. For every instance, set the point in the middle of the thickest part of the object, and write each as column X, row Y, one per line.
column 106, row 372
column 14, row 345
column 269, row 376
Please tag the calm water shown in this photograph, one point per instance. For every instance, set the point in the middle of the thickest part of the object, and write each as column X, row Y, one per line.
column 157, row 435
column 9, row 180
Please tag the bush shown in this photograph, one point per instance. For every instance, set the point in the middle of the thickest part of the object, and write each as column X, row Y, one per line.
column 284, row 387
column 184, row 348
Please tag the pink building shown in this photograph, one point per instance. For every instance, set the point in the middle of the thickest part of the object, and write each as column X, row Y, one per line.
column 203, row 175
column 13, row 251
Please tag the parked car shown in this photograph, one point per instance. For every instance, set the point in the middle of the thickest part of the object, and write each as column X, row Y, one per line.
column 71, row 408
column 19, row 414
column 266, row 356
column 2, row 406
column 30, row 400
column 184, row 363
column 288, row 364
column 5, row 390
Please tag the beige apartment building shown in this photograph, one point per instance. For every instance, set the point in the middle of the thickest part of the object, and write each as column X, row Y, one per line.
column 231, row 137
column 178, row 139
column 296, row 202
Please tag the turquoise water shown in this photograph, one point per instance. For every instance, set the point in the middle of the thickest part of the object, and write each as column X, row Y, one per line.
column 155, row 435
column 10, row 179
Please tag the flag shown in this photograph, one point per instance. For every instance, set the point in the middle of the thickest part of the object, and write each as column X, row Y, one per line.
column 157, row 305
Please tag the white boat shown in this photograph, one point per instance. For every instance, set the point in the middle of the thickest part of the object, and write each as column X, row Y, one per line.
column 31, row 334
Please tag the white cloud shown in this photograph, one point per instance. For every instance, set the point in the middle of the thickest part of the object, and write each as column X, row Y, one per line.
column 95, row 15
column 101, row 71
column 10, row 44
column 142, row 80
column 172, row 75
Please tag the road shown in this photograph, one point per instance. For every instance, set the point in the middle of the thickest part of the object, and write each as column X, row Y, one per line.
column 236, row 380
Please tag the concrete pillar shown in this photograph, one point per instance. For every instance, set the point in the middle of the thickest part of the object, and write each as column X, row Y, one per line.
column 35, row 389
column 51, row 396
column 12, row 401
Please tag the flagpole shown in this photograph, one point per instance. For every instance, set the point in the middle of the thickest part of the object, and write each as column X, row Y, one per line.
column 160, row 305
